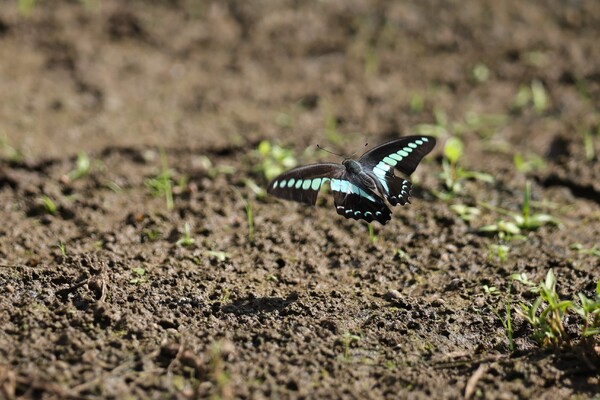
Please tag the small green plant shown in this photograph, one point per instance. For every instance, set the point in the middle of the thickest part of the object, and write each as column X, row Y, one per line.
column 593, row 251
column 547, row 312
column 499, row 251
column 49, row 205
column 62, row 247
column 530, row 163
column 218, row 255
column 162, row 184
column 492, row 292
column 273, row 159
column 82, row 167
column 465, row 212
column 589, row 311
column 139, row 275
column 372, row 235
column 347, row 339
column 480, row 73
column 526, row 220
column 186, row 238
column 535, row 95
column 452, row 173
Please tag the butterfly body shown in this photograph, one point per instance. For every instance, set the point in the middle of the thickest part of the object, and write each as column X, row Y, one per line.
column 360, row 187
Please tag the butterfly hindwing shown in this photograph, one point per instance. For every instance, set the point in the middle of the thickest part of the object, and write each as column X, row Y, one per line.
column 302, row 184
column 356, row 202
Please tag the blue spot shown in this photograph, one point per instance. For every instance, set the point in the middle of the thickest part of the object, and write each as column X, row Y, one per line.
column 291, row 182
column 348, row 211
column 425, row 139
column 282, row 184
column 298, row 183
column 275, row 184
column 344, row 186
column 414, row 146
column 306, row 184
column 419, row 142
column 378, row 213
column 316, row 184
column 368, row 214
column 396, row 157
column 356, row 213
column 390, row 161
column 403, row 153
column 408, row 149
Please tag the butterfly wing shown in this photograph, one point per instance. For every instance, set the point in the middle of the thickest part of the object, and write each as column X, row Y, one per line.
column 354, row 200
column 403, row 154
column 302, row 184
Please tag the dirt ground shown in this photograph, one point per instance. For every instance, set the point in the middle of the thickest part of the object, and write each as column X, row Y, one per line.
column 101, row 298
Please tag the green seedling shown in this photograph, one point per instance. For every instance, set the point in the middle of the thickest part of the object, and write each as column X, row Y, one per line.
column 589, row 311
column 162, row 184
column 218, row 255
column 372, row 235
column 49, row 205
column 139, row 275
column 186, row 237
column 402, row 255
column 506, row 320
column 547, row 312
column 526, row 220
column 531, row 163
column 465, row 212
column 62, row 247
column 416, row 103
column 9, row 152
column 534, row 95
column 272, row 278
column 480, row 73
column 82, row 167
column 588, row 144
column 346, row 340
column 593, row 251
column 273, row 159
column 499, row 251
column 452, row 173
column 504, row 229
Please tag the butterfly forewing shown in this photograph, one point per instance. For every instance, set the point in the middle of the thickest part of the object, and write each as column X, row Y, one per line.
column 302, row 184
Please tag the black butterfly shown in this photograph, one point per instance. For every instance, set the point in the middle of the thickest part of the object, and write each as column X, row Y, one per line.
column 359, row 186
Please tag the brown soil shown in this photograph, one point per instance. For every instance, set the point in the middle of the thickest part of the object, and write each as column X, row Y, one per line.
column 101, row 299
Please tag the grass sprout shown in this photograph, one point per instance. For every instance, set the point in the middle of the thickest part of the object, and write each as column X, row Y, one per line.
column 452, row 173
column 273, row 159
column 492, row 293
column 162, row 184
column 186, row 238
column 589, row 311
column 346, row 340
column 48, row 205
column 593, row 251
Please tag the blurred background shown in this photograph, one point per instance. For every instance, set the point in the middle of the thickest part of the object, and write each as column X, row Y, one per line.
column 84, row 75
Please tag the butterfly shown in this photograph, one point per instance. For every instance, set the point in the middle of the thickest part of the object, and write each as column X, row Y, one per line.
column 360, row 187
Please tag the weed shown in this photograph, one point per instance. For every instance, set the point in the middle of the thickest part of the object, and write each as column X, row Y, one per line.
column 546, row 321
column 82, row 167
column 498, row 250
column 139, row 276
column 526, row 220
column 272, row 278
column 372, row 235
column 534, row 95
column 9, row 152
column 273, row 159
column 506, row 320
column 218, row 255
column 49, row 205
column 62, row 247
column 452, row 173
column 480, row 73
column 186, row 238
column 465, row 212
column 589, row 311
column 531, row 163
column 162, row 184
column 593, row 251
column 346, row 340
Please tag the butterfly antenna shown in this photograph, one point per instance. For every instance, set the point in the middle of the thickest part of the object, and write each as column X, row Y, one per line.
column 330, row 152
